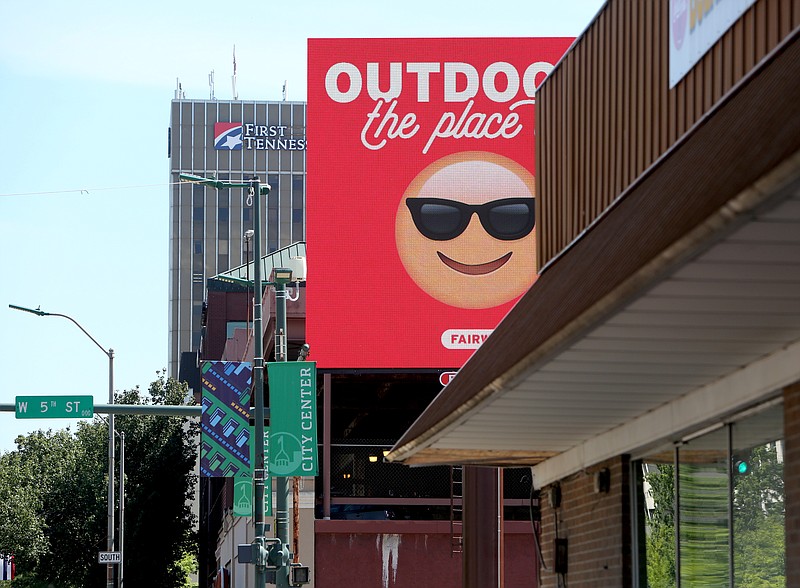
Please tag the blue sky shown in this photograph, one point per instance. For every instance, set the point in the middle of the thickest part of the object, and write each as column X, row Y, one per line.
column 85, row 91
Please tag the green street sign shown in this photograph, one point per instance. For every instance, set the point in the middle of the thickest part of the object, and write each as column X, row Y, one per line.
column 293, row 418
column 54, row 407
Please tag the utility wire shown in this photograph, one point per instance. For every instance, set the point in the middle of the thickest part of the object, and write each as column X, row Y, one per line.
column 88, row 191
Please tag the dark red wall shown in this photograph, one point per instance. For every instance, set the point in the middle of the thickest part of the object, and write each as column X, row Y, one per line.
column 362, row 553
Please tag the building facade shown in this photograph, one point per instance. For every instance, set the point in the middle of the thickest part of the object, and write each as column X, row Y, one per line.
column 361, row 517
column 651, row 376
column 229, row 141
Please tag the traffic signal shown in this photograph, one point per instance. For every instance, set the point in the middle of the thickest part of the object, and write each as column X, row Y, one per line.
column 740, row 465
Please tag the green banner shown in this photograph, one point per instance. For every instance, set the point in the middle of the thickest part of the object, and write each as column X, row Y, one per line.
column 293, row 418
column 243, row 505
column 242, row 496
column 244, row 486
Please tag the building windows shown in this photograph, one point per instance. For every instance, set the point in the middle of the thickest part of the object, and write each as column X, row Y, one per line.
column 208, row 224
column 713, row 508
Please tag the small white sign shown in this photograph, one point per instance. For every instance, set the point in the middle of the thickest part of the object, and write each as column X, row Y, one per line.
column 109, row 557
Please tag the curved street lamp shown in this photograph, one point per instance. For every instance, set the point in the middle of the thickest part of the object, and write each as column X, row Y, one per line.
column 110, row 354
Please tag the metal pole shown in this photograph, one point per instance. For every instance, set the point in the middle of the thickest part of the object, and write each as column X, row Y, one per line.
column 110, row 354
column 121, row 508
column 110, row 544
column 281, row 483
column 258, row 381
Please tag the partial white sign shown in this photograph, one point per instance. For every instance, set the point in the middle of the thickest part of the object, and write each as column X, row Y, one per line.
column 694, row 27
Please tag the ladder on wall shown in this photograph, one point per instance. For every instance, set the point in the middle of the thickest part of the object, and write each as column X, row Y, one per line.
column 456, row 510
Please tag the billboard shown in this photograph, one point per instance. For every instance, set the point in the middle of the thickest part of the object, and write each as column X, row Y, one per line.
column 420, row 195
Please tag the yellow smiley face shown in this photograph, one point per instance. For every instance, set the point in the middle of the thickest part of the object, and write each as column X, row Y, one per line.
column 465, row 230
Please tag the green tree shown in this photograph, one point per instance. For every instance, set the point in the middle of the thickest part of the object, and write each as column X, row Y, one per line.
column 660, row 547
column 47, row 514
column 75, row 511
column 53, row 493
column 159, row 522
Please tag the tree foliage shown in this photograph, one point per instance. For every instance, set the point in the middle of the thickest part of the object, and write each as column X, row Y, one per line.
column 660, row 548
column 758, row 521
column 53, row 498
column 159, row 489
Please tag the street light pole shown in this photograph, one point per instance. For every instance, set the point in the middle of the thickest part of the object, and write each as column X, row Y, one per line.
column 121, row 435
column 121, row 508
column 255, row 190
column 259, row 469
column 110, row 354
column 110, row 543
column 281, row 483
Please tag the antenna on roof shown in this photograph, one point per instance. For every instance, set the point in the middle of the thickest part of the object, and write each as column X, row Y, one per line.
column 233, row 79
column 211, row 85
column 179, row 94
column 284, row 90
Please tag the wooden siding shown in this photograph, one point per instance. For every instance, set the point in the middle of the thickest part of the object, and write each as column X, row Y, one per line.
column 606, row 113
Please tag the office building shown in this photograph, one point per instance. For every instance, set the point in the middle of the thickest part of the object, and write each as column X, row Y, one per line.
column 230, row 141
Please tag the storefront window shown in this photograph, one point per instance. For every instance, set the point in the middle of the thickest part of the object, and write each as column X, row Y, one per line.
column 712, row 509
column 659, row 521
column 703, row 518
column 758, row 507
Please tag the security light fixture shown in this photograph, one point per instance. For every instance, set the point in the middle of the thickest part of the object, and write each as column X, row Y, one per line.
column 282, row 275
column 304, row 351
column 602, row 481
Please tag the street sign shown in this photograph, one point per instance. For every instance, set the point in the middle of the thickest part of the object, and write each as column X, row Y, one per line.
column 109, row 557
column 54, row 407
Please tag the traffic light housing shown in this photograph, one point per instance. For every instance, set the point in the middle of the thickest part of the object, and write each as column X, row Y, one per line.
column 741, row 462
column 299, row 575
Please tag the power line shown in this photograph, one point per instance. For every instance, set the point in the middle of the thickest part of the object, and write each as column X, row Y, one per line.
column 88, row 191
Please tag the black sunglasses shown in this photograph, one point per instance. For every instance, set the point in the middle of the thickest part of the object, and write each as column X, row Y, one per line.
column 439, row 219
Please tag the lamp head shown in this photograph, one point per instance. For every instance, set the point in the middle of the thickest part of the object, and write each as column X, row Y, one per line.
column 281, row 275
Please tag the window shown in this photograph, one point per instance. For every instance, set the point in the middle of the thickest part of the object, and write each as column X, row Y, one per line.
column 703, row 521
column 231, row 326
column 758, row 500
column 712, row 509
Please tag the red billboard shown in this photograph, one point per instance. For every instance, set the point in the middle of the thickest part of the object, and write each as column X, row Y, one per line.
column 420, row 195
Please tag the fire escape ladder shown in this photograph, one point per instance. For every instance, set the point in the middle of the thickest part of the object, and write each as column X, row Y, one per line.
column 456, row 510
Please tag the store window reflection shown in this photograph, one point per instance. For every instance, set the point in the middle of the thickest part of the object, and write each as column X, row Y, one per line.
column 758, row 507
column 712, row 508
column 703, row 518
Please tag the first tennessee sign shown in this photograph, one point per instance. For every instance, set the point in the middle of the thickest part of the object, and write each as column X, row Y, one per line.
column 235, row 136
